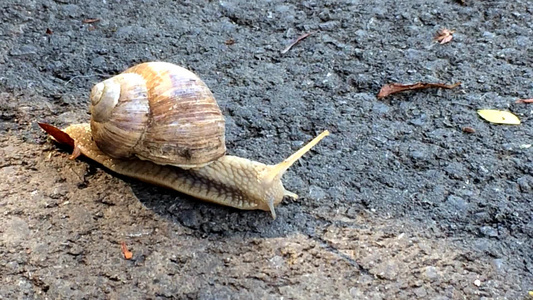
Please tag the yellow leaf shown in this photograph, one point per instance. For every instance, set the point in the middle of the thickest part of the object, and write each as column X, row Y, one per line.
column 530, row 293
column 498, row 116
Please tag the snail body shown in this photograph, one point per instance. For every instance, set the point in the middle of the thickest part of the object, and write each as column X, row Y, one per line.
column 130, row 134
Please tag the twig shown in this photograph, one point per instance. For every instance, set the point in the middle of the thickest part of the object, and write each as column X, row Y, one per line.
column 89, row 21
column 524, row 100
column 296, row 41
column 79, row 76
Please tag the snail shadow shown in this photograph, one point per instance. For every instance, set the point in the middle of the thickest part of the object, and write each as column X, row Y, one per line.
column 207, row 218
column 203, row 217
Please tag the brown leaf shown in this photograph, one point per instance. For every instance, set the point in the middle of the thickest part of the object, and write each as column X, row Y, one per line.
column 49, row 31
column 444, row 36
column 393, row 88
column 229, row 42
column 524, row 100
column 127, row 254
column 59, row 135
column 469, row 129
column 62, row 137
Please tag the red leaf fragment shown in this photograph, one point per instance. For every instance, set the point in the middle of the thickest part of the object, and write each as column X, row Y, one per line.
column 296, row 41
column 61, row 137
column 49, row 31
column 127, row 254
column 393, row 88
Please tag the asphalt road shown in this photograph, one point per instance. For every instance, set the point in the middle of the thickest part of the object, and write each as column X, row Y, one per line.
column 397, row 203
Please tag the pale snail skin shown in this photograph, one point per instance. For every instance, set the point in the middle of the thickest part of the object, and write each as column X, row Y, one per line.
column 219, row 178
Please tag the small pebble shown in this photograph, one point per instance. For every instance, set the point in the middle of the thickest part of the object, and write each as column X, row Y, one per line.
column 316, row 192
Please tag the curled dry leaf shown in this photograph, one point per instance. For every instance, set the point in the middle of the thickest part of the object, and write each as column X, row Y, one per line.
column 469, row 130
column 524, row 100
column 127, row 254
column 444, row 36
column 499, row 116
column 61, row 137
column 393, row 88
column 57, row 134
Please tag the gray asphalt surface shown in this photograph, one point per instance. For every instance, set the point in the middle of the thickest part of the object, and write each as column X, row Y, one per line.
column 398, row 203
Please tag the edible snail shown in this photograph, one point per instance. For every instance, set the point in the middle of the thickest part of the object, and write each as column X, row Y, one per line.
column 159, row 123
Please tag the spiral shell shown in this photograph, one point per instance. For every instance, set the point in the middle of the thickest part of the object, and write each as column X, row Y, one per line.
column 159, row 112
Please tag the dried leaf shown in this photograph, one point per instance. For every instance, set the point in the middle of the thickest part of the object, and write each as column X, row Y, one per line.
column 127, row 254
column 524, row 100
column 229, row 42
column 62, row 137
column 89, row 21
column 57, row 134
column 499, row 116
column 49, row 31
column 469, row 130
column 393, row 88
column 444, row 36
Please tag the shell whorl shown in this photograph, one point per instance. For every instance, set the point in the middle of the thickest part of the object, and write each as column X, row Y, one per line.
column 159, row 112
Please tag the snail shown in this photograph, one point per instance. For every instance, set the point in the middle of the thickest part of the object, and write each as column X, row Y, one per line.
column 159, row 123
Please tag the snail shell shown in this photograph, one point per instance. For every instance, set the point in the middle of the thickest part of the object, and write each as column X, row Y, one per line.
column 159, row 112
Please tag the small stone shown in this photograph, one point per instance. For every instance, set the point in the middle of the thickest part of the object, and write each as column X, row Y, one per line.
column 380, row 108
column 24, row 50
column 420, row 292
column 420, row 121
column 488, row 231
column 477, row 282
column 419, row 155
column 131, row 32
column 16, row 231
column 498, row 263
column 316, row 192
column 277, row 261
column 431, row 273
column 328, row 26
column 98, row 62
column 459, row 203
column 488, row 35
column 387, row 270
column 68, row 117
column 72, row 10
